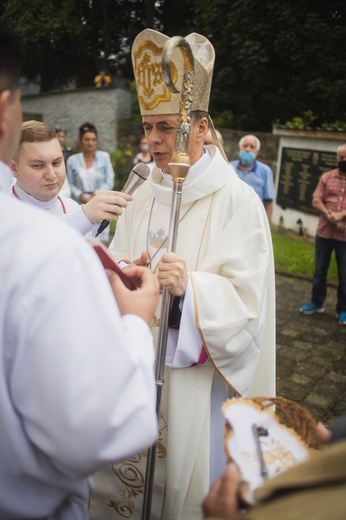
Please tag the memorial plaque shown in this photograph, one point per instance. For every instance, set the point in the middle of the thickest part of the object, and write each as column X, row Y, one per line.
column 299, row 173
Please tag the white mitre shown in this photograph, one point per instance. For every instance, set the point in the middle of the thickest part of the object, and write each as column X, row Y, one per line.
column 154, row 96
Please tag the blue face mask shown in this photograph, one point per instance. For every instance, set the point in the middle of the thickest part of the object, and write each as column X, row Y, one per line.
column 246, row 157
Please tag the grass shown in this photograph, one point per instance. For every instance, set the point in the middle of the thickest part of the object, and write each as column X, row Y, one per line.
column 295, row 255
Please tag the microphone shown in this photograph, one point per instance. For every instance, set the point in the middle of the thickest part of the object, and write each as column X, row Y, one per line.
column 138, row 175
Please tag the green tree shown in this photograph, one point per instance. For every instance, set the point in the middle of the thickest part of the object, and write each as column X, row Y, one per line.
column 276, row 59
column 76, row 40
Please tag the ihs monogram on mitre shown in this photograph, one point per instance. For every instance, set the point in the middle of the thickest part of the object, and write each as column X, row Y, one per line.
column 151, row 88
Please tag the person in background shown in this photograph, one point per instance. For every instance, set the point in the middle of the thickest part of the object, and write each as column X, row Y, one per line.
column 329, row 199
column 61, row 135
column 89, row 171
column 209, row 138
column 143, row 154
column 313, row 489
column 76, row 352
column 254, row 172
column 119, row 81
column 66, row 151
column 103, row 79
column 40, row 172
column 221, row 337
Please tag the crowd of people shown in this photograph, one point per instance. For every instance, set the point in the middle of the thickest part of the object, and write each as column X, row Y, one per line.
column 78, row 347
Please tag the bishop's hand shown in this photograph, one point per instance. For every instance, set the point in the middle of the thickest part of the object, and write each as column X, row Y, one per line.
column 172, row 273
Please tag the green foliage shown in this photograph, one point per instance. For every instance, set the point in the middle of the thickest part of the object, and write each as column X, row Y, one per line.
column 273, row 59
column 122, row 159
column 309, row 120
column 224, row 119
column 335, row 126
column 53, row 39
column 297, row 257
column 76, row 40
column 304, row 121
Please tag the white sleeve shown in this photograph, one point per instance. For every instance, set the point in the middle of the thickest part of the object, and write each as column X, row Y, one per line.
column 184, row 348
column 76, row 218
column 83, row 382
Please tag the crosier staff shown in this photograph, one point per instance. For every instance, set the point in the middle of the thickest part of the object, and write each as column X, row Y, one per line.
column 178, row 169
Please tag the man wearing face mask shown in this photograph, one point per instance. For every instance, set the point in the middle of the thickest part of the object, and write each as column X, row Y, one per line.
column 329, row 199
column 255, row 173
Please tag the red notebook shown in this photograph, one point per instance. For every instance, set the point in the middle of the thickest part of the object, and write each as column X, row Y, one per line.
column 109, row 263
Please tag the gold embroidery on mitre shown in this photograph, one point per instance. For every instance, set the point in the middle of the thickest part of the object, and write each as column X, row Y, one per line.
column 151, row 88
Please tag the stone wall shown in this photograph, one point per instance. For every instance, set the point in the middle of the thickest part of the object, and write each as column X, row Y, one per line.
column 102, row 107
column 110, row 110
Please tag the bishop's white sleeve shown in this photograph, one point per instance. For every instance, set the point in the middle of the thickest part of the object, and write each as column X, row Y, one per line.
column 184, row 347
column 229, row 307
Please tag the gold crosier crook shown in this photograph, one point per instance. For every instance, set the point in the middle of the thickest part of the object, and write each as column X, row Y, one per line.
column 178, row 169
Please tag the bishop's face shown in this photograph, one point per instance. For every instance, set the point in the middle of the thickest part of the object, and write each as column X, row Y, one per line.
column 160, row 132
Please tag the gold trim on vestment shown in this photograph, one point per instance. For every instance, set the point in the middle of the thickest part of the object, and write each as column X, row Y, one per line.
column 132, row 477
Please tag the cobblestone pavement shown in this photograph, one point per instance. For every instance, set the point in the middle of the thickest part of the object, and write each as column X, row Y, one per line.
column 311, row 351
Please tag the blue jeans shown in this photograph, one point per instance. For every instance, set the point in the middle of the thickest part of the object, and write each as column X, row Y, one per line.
column 323, row 252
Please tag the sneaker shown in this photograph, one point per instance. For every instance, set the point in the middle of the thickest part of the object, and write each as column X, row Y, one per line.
column 342, row 318
column 310, row 308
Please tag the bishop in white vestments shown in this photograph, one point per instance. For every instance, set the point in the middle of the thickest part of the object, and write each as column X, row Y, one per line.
column 221, row 276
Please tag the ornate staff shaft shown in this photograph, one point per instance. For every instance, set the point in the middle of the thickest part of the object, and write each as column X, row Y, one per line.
column 178, row 169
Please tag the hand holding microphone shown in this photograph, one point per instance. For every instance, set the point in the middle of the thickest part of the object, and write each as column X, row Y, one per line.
column 138, row 175
column 106, row 205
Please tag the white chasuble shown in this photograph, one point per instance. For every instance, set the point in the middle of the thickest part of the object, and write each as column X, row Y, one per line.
column 226, row 340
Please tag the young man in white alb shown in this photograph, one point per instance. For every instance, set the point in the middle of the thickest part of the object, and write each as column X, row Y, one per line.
column 40, row 172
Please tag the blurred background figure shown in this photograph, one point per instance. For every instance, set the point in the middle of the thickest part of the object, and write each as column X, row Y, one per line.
column 209, row 138
column 119, row 81
column 66, row 151
column 255, row 173
column 143, row 154
column 103, row 79
column 61, row 135
column 217, row 141
column 89, row 171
